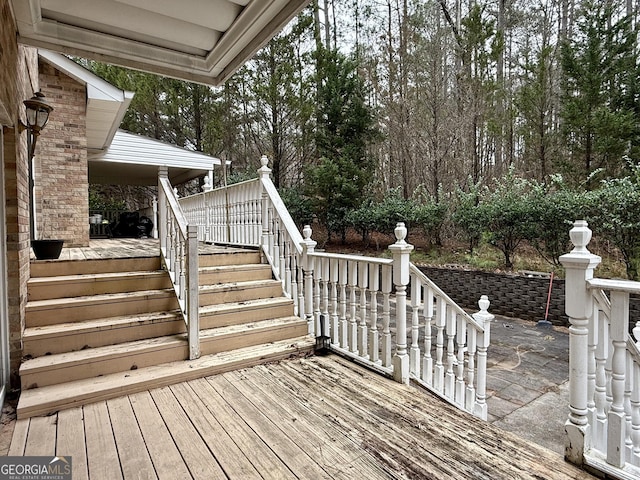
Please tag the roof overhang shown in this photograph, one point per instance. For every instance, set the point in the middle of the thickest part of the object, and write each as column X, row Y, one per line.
column 202, row 41
column 134, row 160
column 106, row 104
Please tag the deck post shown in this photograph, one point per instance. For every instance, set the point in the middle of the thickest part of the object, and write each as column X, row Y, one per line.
column 579, row 265
column 484, row 318
column 308, row 246
column 401, row 252
column 193, row 292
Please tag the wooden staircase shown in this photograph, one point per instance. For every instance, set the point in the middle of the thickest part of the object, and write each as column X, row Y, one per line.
column 97, row 329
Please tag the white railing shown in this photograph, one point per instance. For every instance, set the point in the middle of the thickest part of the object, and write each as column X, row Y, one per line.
column 229, row 215
column 603, row 429
column 179, row 253
column 357, row 305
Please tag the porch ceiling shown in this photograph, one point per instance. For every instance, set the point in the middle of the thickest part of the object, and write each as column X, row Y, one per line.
column 196, row 40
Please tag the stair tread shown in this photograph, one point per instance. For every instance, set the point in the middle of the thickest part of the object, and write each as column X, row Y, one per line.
column 99, row 298
column 44, row 400
column 244, row 284
column 99, row 324
column 88, row 277
column 89, row 355
column 246, row 304
column 246, row 266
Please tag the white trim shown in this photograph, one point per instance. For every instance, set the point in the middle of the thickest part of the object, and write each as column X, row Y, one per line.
column 4, row 291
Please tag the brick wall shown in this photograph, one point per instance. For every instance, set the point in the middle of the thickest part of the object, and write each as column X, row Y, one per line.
column 18, row 81
column 62, row 186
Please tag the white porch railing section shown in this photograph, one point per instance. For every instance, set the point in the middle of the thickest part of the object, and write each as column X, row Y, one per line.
column 179, row 253
column 357, row 305
column 603, row 429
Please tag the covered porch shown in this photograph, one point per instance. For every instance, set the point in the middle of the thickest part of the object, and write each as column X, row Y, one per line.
column 316, row 417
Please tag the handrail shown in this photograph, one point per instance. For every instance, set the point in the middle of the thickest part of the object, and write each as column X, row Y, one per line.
column 438, row 291
column 179, row 254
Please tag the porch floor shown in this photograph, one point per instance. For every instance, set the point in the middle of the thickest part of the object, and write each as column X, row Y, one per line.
column 316, row 417
column 122, row 248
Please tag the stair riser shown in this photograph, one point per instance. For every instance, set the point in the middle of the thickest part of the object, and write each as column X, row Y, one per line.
column 85, row 267
column 37, row 317
column 213, row 278
column 62, row 343
column 237, row 317
column 250, row 338
column 79, row 288
column 240, row 258
column 55, row 374
column 129, row 384
column 61, row 373
column 240, row 294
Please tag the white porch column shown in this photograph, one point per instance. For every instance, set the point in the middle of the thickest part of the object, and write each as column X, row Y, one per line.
column 401, row 251
column 579, row 265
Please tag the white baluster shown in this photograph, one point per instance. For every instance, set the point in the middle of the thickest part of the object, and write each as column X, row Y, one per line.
column 427, row 361
column 470, row 395
column 353, row 324
column 386, row 315
column 616, row 419
column 441, row 321
column 335, row 317
column 363, row 273
column 374, row 285
column 324, row 291
column 599, row 431
column 635, row 415
column 449, row 378
column 344, row 327
column 416, row 306
column 461, row 340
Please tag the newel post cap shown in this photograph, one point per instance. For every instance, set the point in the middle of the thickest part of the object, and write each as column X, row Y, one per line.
column 264, row 170
column 401, row 251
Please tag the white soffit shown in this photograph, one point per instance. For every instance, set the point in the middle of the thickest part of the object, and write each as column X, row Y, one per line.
column 203, row 41
column 134, row 159
column 106, row 104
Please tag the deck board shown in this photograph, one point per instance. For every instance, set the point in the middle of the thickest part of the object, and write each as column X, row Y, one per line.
column 132, row 450
column 316, row 417
column 70, row 441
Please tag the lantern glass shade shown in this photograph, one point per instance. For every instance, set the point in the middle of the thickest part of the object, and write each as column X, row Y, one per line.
column 38, row 111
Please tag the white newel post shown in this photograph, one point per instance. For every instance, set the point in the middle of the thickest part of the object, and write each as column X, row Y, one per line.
column 163, row 173
column 192, row 293
column 264, row 172
column 401, row 251
column 579, row 265
column 484, row 318
column 308, row 246
column 154, row 230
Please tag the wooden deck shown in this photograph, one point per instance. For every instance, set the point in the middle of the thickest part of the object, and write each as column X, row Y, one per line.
column 316, row 418
column 122, row 248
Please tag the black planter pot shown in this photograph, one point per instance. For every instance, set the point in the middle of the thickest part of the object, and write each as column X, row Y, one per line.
column 47, row 249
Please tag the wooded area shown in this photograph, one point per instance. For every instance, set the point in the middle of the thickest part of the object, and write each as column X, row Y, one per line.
column 359, row 98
